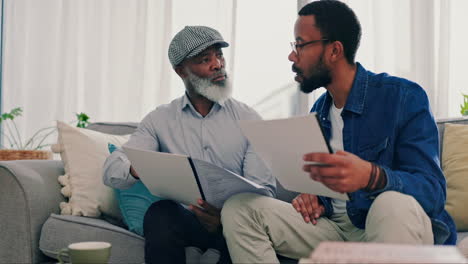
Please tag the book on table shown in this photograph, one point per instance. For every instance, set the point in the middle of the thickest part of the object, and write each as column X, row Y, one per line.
column 281, row 143
column 355, row 252
column 185, row 179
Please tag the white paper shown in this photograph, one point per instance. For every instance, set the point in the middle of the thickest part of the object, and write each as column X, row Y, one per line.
column 282, row 143
column 171, row 176
column 348, row 252
column 219, row 184
column 165, row 175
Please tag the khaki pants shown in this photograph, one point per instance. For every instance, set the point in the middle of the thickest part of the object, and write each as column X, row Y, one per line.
column 257, row 228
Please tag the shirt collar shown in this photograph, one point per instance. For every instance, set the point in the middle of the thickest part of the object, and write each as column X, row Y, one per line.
column 357, row 96
column 186, row 103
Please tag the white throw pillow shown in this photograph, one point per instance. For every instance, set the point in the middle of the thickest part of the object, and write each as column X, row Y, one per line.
column 83, row 153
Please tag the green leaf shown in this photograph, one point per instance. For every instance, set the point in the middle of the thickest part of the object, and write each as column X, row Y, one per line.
column 12, row 114
column 82, row 120
column 16, row 111
column 38, row 138
column 6, row 116
column 464, row 106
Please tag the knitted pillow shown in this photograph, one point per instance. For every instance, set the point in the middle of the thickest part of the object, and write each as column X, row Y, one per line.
column 83, row 153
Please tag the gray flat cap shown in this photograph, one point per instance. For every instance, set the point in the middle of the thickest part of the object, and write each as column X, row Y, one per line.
column 192, row 40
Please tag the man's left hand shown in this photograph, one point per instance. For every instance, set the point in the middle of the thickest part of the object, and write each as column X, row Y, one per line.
column 345, row 172
column 208, row 215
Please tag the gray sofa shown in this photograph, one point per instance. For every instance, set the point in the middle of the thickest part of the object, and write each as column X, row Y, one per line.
column 31, row 229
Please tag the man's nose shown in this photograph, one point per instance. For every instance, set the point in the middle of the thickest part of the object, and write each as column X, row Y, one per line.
column 217, row 64
column 292, row 56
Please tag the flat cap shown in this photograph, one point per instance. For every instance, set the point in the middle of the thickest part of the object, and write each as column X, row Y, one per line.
column 192, row 40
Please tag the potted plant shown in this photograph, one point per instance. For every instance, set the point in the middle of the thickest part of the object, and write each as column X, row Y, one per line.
column 15, row 147
column 464, row 106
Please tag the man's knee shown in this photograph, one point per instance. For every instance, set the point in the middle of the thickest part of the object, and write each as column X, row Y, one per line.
column 160, row 215
column 238, row 206
column 394, row 204
column 398, row 218
column 397, row 207
column 161, row 210
column 234, row 204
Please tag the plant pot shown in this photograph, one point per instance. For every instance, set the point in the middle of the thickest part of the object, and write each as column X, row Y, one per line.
column 14, row 154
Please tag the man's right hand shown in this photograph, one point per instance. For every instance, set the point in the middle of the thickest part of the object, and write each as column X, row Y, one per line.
column 309, row 207
column 133, row 173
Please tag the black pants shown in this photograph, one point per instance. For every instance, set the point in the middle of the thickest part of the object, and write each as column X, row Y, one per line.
column 169, row 228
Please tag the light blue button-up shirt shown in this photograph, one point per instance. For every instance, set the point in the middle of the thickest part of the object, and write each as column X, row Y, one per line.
column 178, row 128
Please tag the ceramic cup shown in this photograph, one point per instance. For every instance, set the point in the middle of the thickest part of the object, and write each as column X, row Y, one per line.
column 86, row 252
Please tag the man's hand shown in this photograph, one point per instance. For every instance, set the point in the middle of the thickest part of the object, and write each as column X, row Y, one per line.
column 133, row 173
column 208, row 215
column 346, row 173
column 308, row 205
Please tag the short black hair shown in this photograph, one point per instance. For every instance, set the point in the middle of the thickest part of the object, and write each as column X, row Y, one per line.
column 337, row 22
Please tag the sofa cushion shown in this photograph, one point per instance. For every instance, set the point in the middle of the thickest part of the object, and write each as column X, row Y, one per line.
column 83, row 153
column 455, row 167
column 61, row 230
column 113, row 127
column 441, row 127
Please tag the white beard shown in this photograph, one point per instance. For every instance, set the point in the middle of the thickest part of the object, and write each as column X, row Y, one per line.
column 205, row 87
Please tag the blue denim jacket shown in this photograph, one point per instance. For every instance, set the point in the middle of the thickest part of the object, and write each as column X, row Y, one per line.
column 387, row 120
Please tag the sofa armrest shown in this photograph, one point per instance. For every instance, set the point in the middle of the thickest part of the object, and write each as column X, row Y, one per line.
column 29, row 193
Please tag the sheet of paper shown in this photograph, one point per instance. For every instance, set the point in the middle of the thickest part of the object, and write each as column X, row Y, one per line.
column 165, row 175
column 348, row 252
column 282, row 143
column 171, row 176
column 219, row 184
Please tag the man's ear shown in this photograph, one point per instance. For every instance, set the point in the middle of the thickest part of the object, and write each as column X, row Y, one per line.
column 180, row 70
column 336, row 51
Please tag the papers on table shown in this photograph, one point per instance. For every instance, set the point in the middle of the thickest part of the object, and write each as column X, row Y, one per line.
column 184, row 179
column 349, row 252
column 282, row 143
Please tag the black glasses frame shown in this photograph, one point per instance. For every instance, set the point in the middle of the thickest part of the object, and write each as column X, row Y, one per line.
column 295, row 46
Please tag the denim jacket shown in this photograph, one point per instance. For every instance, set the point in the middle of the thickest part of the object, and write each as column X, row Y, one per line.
column 387, row 121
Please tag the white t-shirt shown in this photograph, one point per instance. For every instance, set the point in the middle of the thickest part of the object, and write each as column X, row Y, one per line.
column 336, row 143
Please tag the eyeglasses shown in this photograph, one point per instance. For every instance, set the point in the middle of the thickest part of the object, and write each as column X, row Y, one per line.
column 295, row 46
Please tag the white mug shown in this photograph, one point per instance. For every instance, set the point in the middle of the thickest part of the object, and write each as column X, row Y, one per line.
column 86, row 252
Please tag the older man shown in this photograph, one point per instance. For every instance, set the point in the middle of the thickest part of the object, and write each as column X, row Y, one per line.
column 202, row 124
